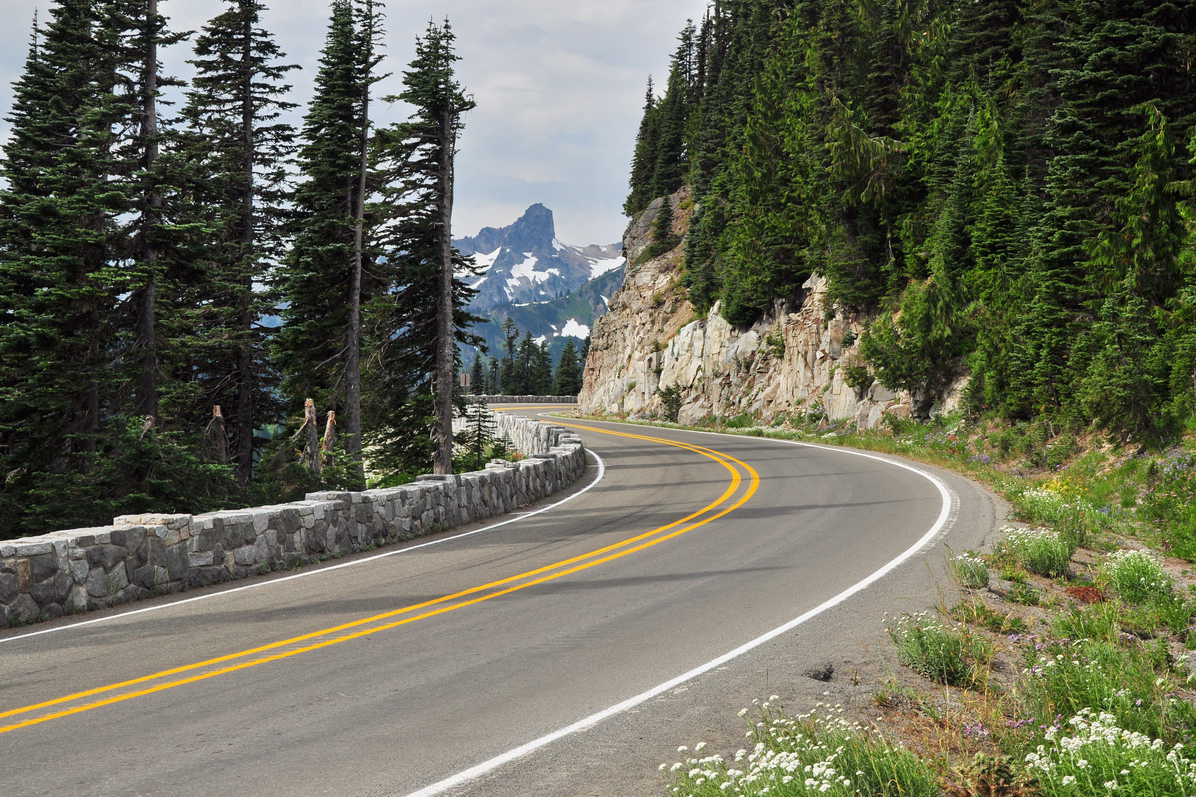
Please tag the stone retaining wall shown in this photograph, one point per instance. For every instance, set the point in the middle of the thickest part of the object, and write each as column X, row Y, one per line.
column 484, row 399
column 143, row 555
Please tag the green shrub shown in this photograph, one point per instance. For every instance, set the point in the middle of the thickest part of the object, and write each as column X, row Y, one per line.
column 1040, row 551
column 142, row 469
column 858, row 378
column 939, row 651
column 671, row 401
column 741, row 421
column 1164, row 611
column 1024, row 594
column 1133, row 683
column 1136, row 577
column 1100, row 622
column 977, row 612
column 1170, row 502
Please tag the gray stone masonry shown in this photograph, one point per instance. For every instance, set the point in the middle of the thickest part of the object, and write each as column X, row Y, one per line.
column 484, row 399
column 138, row 556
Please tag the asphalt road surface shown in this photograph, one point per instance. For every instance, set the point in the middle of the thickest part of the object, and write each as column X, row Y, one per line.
column 565, row 651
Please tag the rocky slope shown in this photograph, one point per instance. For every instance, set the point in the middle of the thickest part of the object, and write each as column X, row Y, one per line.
column 794, row 361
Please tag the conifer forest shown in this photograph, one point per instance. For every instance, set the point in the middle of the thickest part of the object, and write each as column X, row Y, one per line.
column 1007, row 186
column 201, row 306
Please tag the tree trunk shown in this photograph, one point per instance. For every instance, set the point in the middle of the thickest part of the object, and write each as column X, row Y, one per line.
column 147, row 322
column 311, row 447
column 328, row 444
column 246, row 377
column 444, row 304
column 217, row 437
column 353, row 332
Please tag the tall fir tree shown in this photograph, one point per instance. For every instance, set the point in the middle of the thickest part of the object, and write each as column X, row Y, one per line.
column 55, row 229
column 424, row 315
column 324, row 280
column 477, row 374
column 643, row 163
column 234, row 154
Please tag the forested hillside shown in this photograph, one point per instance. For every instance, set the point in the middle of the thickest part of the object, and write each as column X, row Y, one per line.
column 185, row 286
column 1007, row 185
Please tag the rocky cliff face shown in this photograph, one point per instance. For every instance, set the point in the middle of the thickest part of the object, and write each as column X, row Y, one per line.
column 795, row 361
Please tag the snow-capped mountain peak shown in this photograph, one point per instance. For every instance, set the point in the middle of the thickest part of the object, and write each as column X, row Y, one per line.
column 526, row 263
column 549, row 288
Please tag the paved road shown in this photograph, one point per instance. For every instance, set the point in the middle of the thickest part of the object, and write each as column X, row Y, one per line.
column 395, row 674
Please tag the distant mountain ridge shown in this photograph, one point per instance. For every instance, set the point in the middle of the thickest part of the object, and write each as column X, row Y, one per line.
column 524, row 262
column 552, row 289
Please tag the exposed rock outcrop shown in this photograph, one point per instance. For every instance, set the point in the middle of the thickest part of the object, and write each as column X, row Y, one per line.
column 801, row 360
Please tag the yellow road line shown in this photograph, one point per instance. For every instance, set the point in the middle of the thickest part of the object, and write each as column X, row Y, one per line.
column 545, row 573
column 735, row 481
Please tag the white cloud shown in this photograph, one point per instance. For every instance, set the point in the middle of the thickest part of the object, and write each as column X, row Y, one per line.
column 559, row 88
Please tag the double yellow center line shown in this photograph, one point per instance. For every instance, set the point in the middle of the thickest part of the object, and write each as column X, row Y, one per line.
column 68, row 705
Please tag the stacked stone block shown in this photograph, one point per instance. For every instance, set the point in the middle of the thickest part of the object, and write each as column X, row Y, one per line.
column 139, row 556
column 478, row 398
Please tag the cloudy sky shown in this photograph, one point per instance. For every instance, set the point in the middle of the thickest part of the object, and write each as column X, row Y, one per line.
column 559, row 86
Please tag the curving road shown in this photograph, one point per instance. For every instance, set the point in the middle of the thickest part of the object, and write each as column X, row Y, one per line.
column 566, row 651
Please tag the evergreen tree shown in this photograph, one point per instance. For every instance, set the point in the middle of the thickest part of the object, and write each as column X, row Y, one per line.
column 522, row 377
column 477, row 375
column 325, row 281
column 765, row 242
column 137, row 31
column 919, row 347
column 1143, row 248
column 234, row 154
column 56, row 228
column 672, row 118
column 643, row 162
column 567, row 380
column 507, row 379
column 733, row 48
column 492, row 381
column 428, row 303
column 978, row 169
column 84, row 230
column 541, row 370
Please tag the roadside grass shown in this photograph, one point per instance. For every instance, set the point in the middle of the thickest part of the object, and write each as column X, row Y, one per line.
column 939, row 650
column 1085, row 608
column 971, row 570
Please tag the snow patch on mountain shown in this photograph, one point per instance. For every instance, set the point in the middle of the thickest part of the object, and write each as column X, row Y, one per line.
column 600, row 267
column 527, row 269
column 574, row 329
column 484, row 262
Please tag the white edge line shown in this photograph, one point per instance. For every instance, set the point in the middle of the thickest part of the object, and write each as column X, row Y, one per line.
column 320, row 571
column 592, row 720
